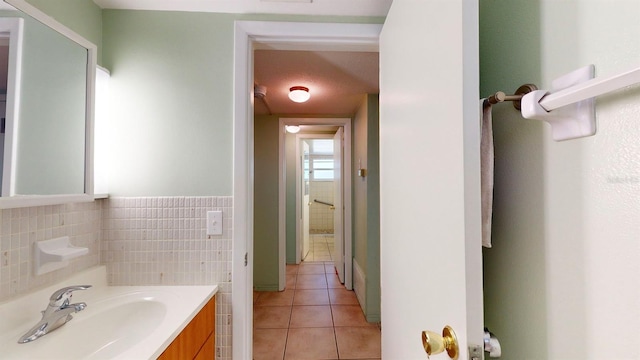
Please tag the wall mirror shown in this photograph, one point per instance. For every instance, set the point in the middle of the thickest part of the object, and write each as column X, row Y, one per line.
column 47, row 85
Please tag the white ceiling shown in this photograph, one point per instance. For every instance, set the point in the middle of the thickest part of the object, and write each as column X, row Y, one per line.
column 337, row 80
column 298, row 7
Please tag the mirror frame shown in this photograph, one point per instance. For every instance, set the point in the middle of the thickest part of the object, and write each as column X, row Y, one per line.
column 18, row 201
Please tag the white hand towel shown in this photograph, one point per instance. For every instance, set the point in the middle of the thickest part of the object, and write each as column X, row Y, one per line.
column 486, row 170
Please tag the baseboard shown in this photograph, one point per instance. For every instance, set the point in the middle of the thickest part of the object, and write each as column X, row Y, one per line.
column 374, row 318
column 359, row 285
column 266, row 287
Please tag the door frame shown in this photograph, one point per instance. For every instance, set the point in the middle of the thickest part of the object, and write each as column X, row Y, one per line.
column 301, row 235
column 299, row 192
column 347, row 185
column 250, row 35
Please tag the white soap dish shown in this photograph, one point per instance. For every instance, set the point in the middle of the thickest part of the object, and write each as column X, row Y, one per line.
column 50, row 255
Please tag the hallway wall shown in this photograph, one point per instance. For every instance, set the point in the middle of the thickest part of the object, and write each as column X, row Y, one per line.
column 366, row 207
column 265, row 209
column 564, row 267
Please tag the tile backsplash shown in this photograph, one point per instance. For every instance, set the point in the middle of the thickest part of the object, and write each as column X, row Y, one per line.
column 163, row 241
column 321, row 216
column 141, row 240
column 21, row 228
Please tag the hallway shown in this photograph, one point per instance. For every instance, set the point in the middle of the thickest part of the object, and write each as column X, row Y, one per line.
column 314, row 318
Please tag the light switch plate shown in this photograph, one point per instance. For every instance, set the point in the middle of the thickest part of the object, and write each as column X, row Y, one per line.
column 214, row 222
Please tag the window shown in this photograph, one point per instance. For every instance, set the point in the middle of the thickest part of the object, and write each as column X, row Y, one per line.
column 322, row 168
column 321, row 147
column 320, row 164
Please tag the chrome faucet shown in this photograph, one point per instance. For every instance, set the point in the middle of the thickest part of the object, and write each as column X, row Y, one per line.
column 56, row 314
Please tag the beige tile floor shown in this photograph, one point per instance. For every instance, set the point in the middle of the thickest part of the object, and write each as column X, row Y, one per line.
column 314, row 318
column 320, row 247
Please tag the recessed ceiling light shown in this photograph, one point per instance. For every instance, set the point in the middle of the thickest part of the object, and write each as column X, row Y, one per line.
column 299, row 94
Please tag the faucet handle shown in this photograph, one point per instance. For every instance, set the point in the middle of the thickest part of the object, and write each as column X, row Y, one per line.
column 61, row 297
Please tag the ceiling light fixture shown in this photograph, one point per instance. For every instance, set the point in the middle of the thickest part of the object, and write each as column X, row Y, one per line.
column 294, row 129
column 299, row 94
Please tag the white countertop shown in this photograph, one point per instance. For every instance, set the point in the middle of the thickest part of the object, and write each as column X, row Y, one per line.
column 119, row 322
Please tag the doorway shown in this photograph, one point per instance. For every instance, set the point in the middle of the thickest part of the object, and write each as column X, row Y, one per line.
column 314, row 300
column 456, row 193
column 332, row 201
column 320, row 196
column 306, row 36
column 315, row 173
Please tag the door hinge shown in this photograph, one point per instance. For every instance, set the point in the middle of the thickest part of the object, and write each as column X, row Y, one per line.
column 475, row 352
column 246, row 259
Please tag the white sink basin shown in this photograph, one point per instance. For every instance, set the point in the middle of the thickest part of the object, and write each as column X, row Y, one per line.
column 121, row 327
column 126, row 322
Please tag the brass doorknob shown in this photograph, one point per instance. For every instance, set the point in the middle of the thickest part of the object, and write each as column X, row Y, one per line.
column 434, row 343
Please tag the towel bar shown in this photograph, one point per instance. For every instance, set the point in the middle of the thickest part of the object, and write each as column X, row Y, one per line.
column 500, row 96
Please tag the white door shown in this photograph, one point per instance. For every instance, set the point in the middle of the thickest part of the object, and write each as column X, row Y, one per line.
column 431, row 265
column 338, row 229
column 305, row 199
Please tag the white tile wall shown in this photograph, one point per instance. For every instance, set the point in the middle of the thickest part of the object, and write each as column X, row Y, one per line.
column 21, row 228
column 321, row 216
column 163, row 241
column 143, row 241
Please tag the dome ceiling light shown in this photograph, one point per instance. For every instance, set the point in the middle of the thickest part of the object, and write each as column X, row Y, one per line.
column 293, row 129
column 299, row 94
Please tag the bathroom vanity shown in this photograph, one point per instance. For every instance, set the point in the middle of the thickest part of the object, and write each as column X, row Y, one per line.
column 197, row 340
column 119, row 322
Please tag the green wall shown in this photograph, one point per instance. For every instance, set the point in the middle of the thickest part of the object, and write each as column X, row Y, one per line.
column 373, row 209
column 366, row 204
column 265, row 206
column 360, row 157
column 514, row 271
column 172, row 91
column 81, row 16
column 563, row 267
column 172, row 86
column 290, row 189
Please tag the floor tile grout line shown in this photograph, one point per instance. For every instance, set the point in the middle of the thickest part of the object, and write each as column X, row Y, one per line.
column 286, row 341
column 284, row 354
column 333, row 322
column 331, row 305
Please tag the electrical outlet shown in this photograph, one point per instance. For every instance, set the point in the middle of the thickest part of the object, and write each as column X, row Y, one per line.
column 214, row 222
